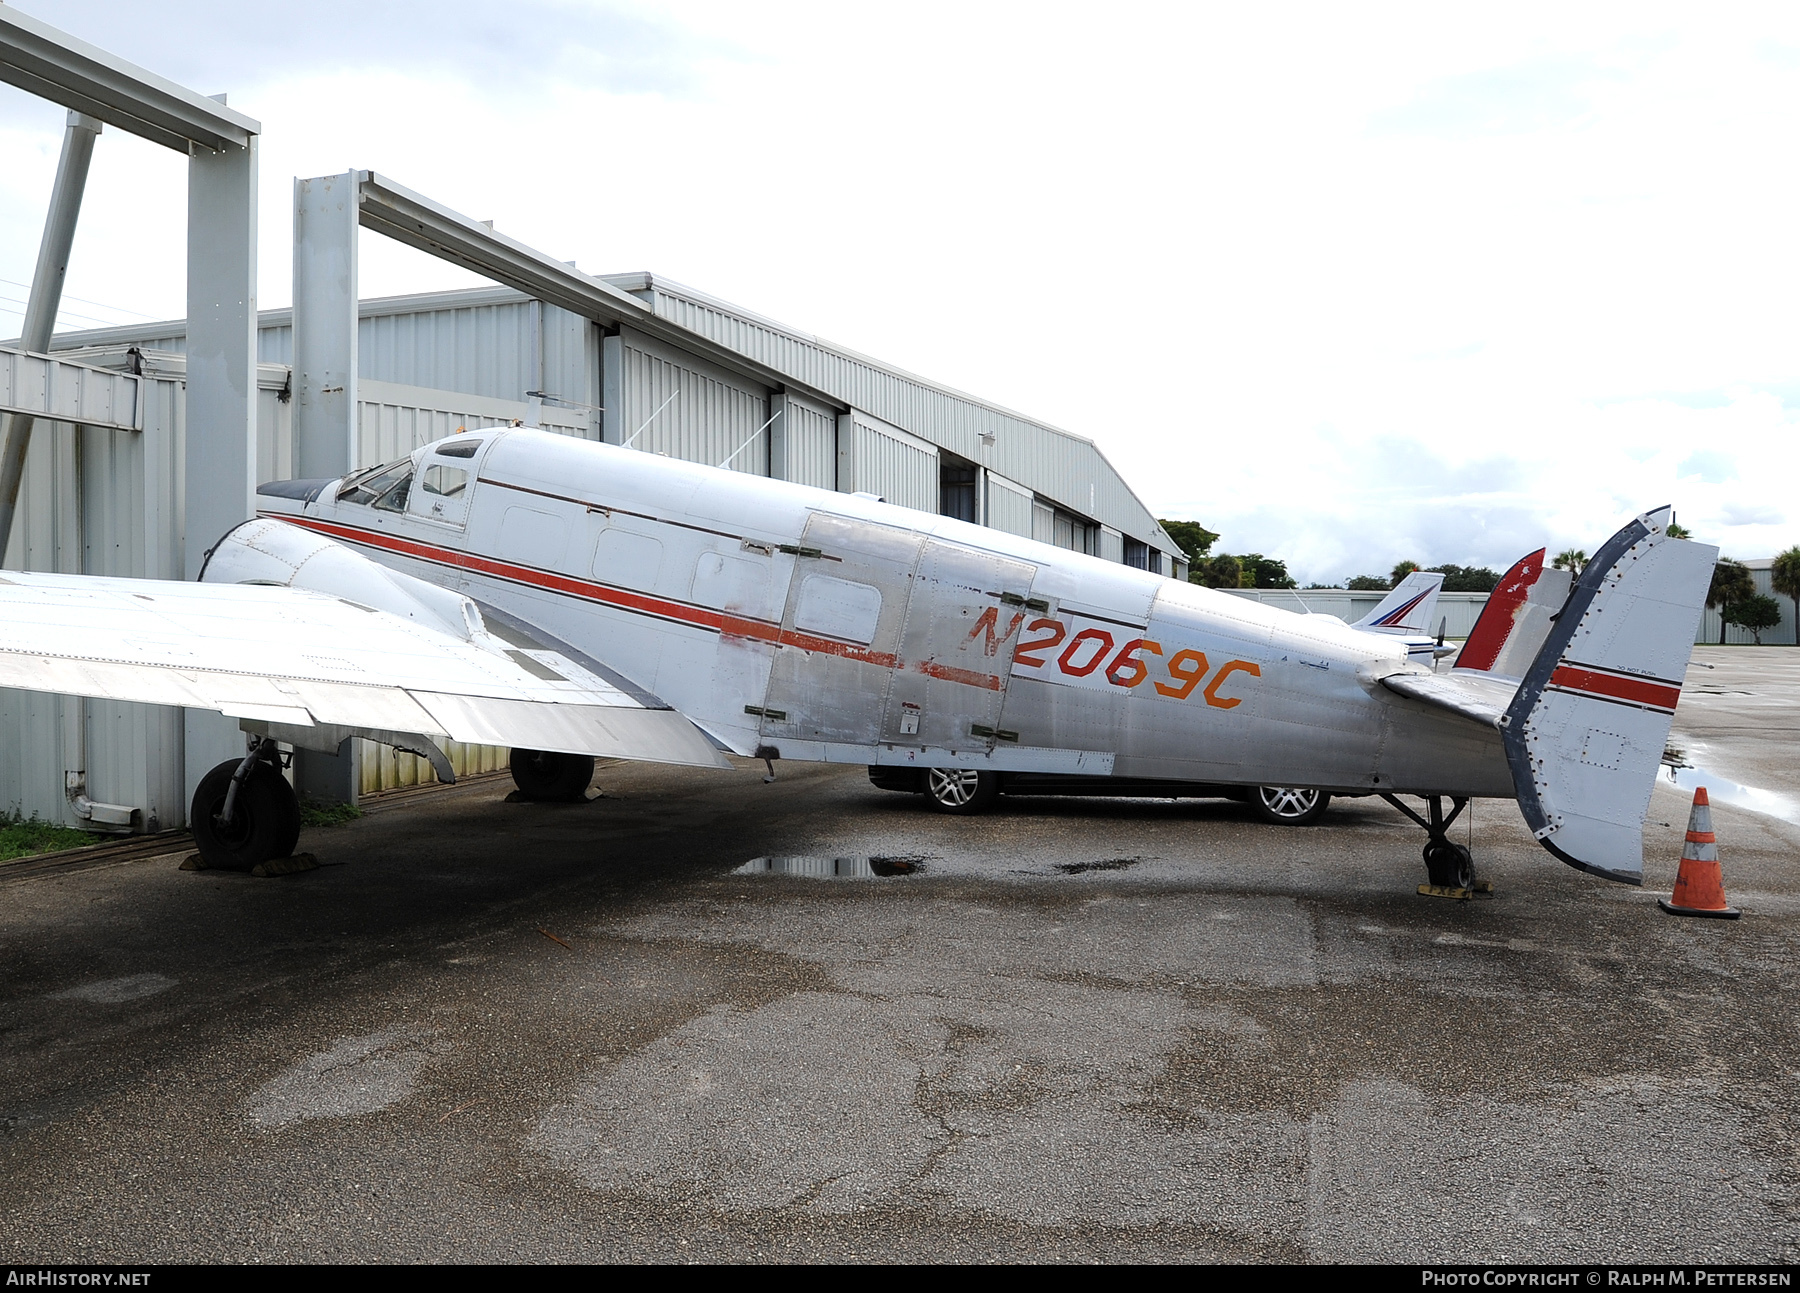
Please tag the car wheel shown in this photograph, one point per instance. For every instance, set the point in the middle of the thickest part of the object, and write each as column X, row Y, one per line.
column 961, row 790
column 1288, row 805
column 548, row 776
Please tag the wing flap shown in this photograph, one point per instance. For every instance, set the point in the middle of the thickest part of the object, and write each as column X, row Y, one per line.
column 656, row 735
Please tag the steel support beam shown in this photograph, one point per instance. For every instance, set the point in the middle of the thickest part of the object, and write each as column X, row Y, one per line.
column 220, row 449
column 53, row 65
column 417, row 221
column 325, row 323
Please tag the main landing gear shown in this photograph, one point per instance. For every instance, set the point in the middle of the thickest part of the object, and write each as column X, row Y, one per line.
column 1450, row 865
column 545, row 776
column 244, row 811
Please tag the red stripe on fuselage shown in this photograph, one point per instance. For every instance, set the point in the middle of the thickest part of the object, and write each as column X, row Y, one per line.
column 641, row 603
column 1650, row 693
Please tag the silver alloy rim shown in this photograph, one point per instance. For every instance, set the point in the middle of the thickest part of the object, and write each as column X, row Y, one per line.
column 1284, row 801
column 953, row 787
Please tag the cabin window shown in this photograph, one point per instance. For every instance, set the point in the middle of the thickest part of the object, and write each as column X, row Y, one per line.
column 457, row 449
column 447, row 482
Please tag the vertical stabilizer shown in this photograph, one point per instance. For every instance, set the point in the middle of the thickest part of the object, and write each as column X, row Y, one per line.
column 1586, row 730
column 1409, row 608
column 1517, row 618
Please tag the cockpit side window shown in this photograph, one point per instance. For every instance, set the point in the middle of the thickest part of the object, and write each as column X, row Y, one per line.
column 379, row 486
column 447, row 481
column 457, row 449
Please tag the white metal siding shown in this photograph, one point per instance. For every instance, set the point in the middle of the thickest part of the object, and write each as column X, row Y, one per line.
column 1043, row 523
column 1008, row 506
column 887, row 462
column 804, row 443
column 706, row 414
column 392, row 420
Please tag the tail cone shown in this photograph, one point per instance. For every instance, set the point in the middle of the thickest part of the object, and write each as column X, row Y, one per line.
column 1699, row 884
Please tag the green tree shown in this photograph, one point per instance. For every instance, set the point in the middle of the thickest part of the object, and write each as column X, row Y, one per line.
column 1784, row 577
column 1679, row 531
column 1574, row 560
column 1401, row 570
column 1468, row 579
column 1259, row 571
column 1754, row 613
column 1368, row 584
column 1221, row 571
column 1194, row 539
column 1731, row 583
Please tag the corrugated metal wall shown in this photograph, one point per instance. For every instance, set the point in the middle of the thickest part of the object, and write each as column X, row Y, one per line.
column 884, row 460
column 803, row 442
column 1008, row 506
column 102, row 503
column 1781, row 635
column 681, row 406
column 393, row 420
column 1064, row 467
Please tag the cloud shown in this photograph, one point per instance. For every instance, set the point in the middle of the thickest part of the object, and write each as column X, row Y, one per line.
column 483, row 49
column 1735, row 514
column 1709, row 465
column 1522, row 98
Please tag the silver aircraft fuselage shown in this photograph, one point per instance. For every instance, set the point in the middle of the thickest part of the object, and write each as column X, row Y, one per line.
column 799, row 623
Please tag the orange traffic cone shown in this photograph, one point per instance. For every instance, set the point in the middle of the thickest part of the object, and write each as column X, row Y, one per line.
column 1699, row 885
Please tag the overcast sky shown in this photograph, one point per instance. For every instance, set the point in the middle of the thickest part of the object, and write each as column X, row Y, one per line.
column 1350, row 284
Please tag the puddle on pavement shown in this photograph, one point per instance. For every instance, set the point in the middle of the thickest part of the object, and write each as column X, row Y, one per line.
column 1720, row 790
column 1105, row 864
column 833, row 868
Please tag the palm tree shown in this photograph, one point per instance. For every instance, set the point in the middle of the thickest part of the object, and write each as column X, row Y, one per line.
column 1731, row 582
column 1574, row 560
column 1401, row 570
column 1784, row 577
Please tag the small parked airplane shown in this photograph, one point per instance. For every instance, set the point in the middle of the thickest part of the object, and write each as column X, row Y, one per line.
column 570, row 599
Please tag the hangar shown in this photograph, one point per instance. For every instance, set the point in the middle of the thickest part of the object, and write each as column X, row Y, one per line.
column 112, row 481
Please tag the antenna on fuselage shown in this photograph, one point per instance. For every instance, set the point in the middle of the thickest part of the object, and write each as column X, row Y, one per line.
column 752, row 440
column 647, row 421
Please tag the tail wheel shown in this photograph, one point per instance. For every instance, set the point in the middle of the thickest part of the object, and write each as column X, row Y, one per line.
column 1289, row 805
column 265, row 817
column 961, row 790
column 1450, row 866
column 547, row 775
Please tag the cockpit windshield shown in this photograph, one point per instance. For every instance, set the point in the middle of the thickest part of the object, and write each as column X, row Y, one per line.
column 384, row 487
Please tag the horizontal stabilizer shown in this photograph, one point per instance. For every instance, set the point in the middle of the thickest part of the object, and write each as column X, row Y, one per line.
column 1475, row 696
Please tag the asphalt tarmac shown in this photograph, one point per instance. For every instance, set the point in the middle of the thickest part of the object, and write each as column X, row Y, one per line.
column 1078, row 1029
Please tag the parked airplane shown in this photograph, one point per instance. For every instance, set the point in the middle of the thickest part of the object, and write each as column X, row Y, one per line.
column 569, row 599
column 1406, row 613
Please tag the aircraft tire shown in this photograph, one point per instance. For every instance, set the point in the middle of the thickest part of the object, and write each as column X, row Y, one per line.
column 1288, row 805
column 1450, row 866
column 546, row 776
column 265, row 819
column 961, row 791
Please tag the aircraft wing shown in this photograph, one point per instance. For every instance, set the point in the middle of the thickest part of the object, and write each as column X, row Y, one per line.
column 1481, row 697
column 311, row 667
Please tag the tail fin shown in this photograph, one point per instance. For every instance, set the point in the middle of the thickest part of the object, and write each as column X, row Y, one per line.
column 1516, row 619
column 1587, row 728
column 1408, row 608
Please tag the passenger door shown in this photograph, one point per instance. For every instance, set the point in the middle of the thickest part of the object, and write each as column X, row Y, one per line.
column 840, row 632
column 962, row 627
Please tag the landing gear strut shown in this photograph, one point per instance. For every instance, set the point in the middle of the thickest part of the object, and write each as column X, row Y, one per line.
column 1449, row 865
column 244, row 812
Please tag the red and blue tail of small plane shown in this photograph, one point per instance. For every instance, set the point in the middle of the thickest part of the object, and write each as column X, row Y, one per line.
column 1406, row 611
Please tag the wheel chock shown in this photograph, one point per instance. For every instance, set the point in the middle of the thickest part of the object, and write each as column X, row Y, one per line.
column 285, row 866
column 192, row 862
column 1445, row 891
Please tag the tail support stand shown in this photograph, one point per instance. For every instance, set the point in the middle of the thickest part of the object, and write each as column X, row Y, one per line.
column 1449, row 865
